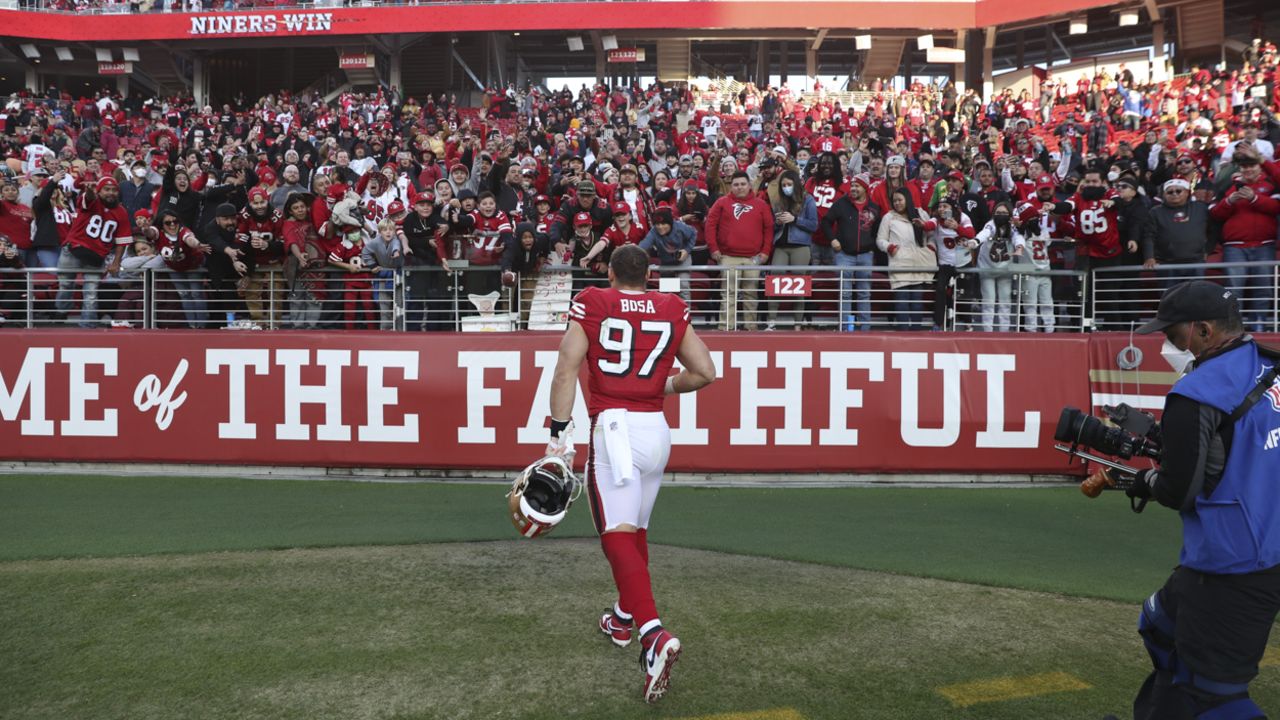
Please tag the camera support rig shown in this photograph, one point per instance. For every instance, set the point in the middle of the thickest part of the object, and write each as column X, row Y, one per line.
column 1123, row 479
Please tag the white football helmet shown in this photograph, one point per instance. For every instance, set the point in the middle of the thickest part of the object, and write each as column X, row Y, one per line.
column 541, row 496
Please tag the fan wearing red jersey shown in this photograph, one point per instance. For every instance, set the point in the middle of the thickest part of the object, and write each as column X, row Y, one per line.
column 491, row 231
column 101, row 229
column 825, row 186
column 1097, row 221
column 630, row 339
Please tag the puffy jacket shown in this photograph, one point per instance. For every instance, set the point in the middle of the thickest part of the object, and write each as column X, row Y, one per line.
column 897, row 232
column 1248, row 223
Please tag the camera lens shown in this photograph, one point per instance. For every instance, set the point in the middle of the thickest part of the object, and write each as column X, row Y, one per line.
column 1075, row 427
column 1070, row 423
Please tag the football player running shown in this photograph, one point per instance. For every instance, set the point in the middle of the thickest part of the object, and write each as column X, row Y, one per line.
column 630, row 338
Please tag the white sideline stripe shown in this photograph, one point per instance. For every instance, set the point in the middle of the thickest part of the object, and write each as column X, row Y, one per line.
column 1146, row 402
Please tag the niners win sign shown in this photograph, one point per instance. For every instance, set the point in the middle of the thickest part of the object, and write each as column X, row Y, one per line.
column 296, row 23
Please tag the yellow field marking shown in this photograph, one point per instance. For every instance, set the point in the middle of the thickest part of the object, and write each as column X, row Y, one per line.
column 1154, row 377
column 1011, row 688
column 775, row 714
column 1270, row 658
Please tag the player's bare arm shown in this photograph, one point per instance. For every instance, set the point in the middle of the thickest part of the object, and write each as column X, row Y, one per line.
column 564, row 382
column 699, row 371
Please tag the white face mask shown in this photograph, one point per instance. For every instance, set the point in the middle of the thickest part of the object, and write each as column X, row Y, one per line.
column 139, row 172
column 1179, row 360
column 1113, row 176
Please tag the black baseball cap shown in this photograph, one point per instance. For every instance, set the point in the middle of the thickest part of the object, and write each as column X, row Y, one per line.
column 1192, row 300
column 225, row 210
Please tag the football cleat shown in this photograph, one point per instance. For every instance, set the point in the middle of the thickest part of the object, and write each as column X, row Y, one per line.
column 618, row 632
column 657, row 661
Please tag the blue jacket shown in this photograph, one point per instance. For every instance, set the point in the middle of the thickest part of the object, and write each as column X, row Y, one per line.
column 801, row 231
column 136, row 197
column 667, row 247
column 1237, row 528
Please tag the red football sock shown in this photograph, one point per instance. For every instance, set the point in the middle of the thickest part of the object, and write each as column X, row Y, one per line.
column 642, row 544
column 631, row 575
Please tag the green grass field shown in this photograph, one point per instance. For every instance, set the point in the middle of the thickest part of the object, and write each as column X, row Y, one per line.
column 133, row 597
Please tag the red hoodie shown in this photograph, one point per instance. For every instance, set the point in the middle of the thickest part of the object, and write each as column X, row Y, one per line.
column 740, row 228
column 1245, row 223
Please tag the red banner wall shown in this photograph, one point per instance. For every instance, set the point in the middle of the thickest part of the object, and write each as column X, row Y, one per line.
column 784, row 403
column 472, row 17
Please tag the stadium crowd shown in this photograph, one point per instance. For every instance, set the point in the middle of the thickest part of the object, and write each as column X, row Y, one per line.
column 241, row 203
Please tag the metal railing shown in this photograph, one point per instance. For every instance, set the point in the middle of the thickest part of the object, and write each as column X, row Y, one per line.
column 1019, row 298
column 724, row 297
column 1128, row 294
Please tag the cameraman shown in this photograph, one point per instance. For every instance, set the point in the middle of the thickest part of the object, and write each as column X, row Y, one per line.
column 1207, row 628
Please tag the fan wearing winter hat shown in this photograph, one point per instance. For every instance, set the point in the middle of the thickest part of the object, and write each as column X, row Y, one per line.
column 101, row 229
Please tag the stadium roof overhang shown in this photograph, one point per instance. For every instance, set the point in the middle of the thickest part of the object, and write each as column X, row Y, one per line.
column 519, row 16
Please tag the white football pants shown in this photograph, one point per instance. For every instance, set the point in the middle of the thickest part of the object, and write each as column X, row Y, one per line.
column 629, row 501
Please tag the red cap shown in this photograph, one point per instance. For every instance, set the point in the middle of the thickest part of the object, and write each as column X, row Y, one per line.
column 395, row 207
column 337, row 191
column 143, row 213
column 1027, row 211
column 541, row 199
column 425, row 196
column 1044, row 181
column 459, row 166
column 955, row 175
column 621, row 208
column 105, row 181
column 581, row 219
column 267, row 176
column 864, row 180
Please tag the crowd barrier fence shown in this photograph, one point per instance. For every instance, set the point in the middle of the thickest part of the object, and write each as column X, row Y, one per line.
column 734, row 297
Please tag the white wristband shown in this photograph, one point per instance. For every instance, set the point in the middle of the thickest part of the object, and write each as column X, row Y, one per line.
column 670, row 388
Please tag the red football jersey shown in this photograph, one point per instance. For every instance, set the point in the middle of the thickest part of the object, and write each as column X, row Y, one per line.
column 1097, row 227
column 617, row 238
column 827, row 144
column 270, row 229
column 633, row 339
column 99, row 228
column 824, row 194
column 487, row 243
